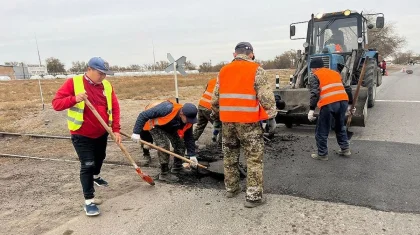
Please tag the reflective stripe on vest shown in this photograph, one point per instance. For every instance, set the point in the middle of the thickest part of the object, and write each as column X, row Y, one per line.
column 75, row 113
column 237, row 96
column 160, row 121
column 205, row 100
column 331, row 86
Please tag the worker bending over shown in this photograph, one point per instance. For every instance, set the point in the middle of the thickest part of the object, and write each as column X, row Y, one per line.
column 333, row 99
column 169, row 123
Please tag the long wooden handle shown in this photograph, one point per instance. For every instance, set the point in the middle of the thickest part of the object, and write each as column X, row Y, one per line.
column 108, row 129
column 164, row 150
column 356, row 94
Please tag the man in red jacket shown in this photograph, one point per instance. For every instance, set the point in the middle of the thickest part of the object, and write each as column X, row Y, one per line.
column 89, row 137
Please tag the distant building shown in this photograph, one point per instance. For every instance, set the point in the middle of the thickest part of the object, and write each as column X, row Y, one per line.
column 14, row 72
column 35, row 69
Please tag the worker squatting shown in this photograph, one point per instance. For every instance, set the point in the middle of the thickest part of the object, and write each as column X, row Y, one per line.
column 236, row 103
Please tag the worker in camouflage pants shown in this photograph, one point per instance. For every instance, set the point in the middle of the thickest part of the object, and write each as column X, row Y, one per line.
column 243, row 98
column 250, row 136
column 163, row 139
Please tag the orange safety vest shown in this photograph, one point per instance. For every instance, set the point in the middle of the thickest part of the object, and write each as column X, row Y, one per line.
column 238, row 99
column 331, row 86
column 206, row 97
column 160, row 121
column 182, row 131
column 338, row 48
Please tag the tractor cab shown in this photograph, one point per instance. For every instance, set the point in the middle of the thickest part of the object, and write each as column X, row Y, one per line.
column 335, row 36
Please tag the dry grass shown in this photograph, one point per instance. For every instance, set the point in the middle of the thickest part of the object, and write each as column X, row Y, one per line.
column 21, row 109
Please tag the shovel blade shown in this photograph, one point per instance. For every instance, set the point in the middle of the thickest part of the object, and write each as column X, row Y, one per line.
column 145, row 177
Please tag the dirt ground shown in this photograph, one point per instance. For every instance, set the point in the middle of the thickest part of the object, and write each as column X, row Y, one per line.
column 38, row 195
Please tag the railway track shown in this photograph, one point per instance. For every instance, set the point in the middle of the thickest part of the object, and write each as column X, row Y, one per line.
column 30, row 135
column 14, row 134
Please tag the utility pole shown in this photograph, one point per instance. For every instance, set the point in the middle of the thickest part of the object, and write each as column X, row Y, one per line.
column 37, row 48
column 39, row 80
column 154, row 59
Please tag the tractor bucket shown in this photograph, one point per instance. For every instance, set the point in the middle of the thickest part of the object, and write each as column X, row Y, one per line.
column 297, row 107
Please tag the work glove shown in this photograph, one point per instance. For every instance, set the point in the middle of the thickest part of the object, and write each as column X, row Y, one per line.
column 350, row 111
column 311, row 117
column 194, row 161
column 271, row 125
column 135, row 138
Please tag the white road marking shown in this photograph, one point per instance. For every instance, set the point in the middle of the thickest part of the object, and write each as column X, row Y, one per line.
column 399, row 101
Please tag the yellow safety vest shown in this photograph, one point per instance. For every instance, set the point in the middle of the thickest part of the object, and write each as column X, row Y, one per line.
column 75, row 113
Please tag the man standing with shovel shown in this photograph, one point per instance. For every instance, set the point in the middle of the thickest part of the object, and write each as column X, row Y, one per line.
column 89, row 137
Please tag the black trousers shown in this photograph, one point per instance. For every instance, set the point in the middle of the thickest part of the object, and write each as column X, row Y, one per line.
column 146, row 136
column 91, row 154
column 337, row 111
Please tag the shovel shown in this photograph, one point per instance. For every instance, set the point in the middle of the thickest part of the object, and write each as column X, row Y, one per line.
column 356, row 95
column 143, row 175
column 164, row 150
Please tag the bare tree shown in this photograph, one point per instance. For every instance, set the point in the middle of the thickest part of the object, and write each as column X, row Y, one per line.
column 135, row 67
column 189, row 65
column 148, row 67
column 161, row 65
column 385, row 40
column 404, row 57
column 54, row 65
column 12, row 63
column 78, row 66
column 115, row 68
column 205, row 67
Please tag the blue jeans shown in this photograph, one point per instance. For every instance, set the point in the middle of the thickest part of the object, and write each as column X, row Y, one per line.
column 337, row 111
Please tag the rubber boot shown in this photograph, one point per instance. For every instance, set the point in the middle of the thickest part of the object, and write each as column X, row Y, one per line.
column 165, row 175
column 146, row 155
column 177, row 168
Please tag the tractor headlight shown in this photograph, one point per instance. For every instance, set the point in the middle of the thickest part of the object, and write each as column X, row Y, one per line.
column 319, row 15
column 347, row 12
column 359, row 40
column 305, row 44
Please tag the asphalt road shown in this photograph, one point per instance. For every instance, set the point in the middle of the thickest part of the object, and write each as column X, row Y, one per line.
column 380, row 175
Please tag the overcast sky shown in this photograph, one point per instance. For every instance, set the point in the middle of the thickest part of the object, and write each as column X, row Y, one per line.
column 122, row 31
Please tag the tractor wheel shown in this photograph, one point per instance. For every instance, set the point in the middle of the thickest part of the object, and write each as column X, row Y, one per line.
column 370, row 81
column 289, row 124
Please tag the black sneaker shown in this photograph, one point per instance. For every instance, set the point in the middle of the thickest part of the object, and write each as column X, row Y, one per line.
column 91, row 209
column 100, row 182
